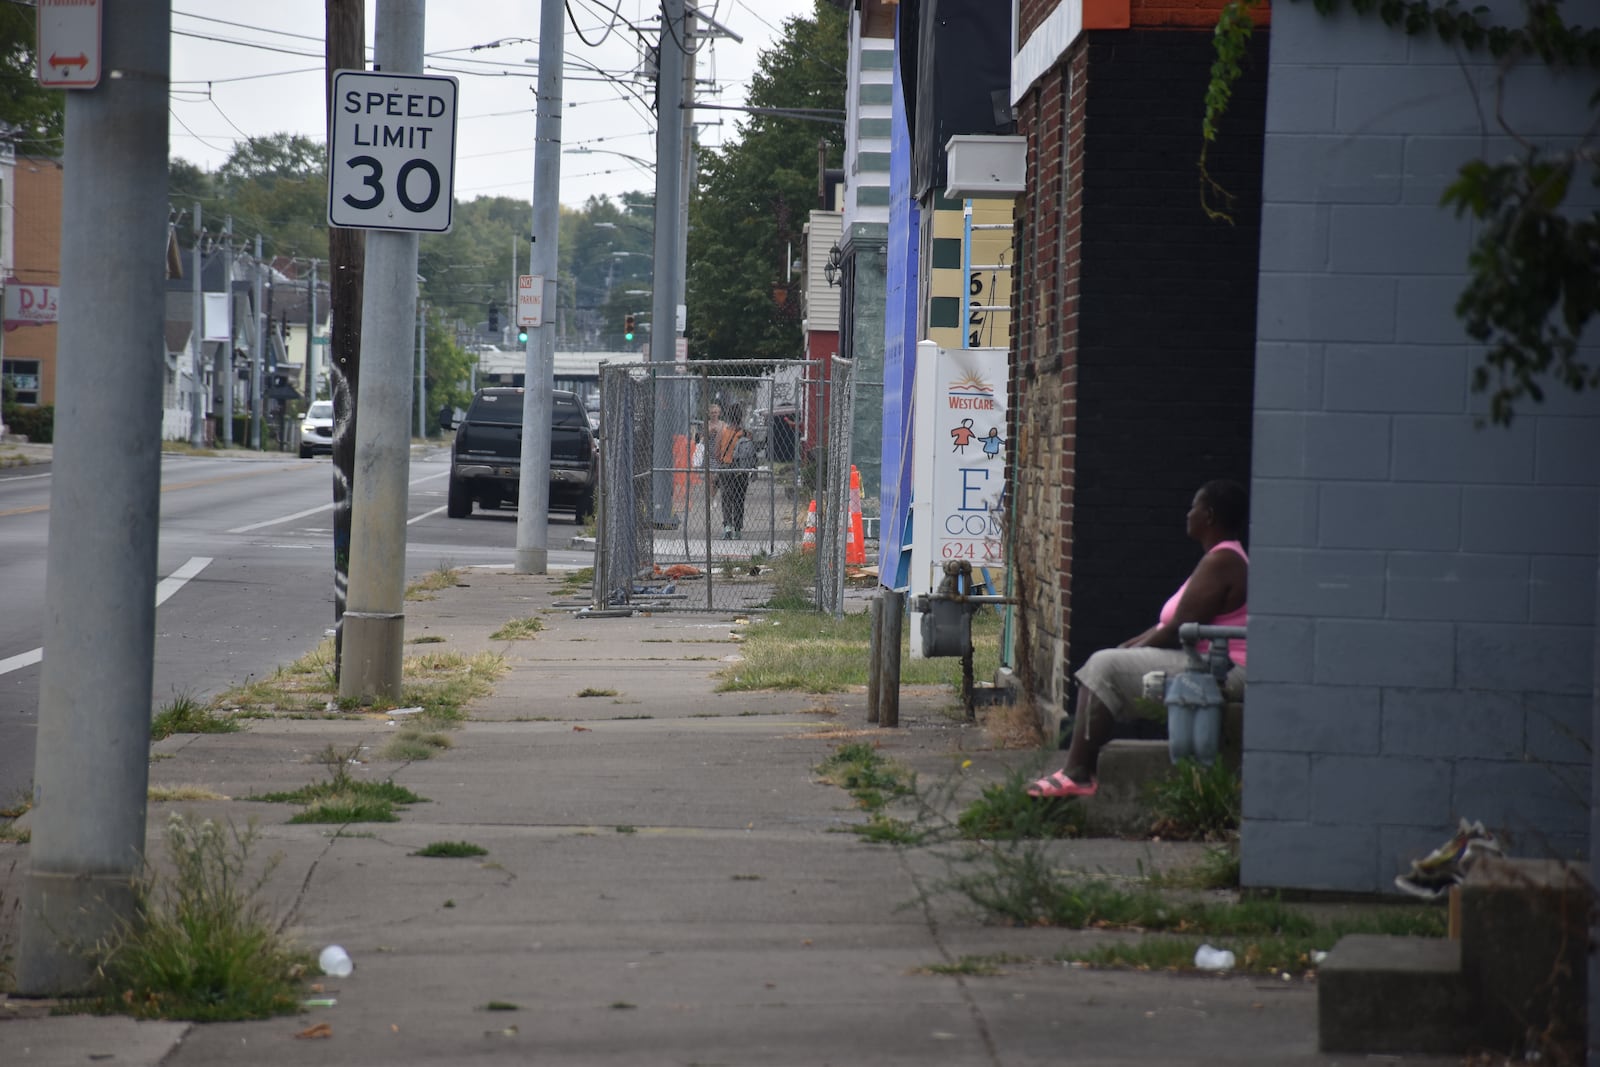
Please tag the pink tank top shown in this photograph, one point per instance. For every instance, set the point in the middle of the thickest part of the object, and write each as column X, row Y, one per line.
column 1237, row 617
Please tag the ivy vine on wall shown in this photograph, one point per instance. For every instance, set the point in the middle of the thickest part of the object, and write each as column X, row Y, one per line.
column 1534, row 270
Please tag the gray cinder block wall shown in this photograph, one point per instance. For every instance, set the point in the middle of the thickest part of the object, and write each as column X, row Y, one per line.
column 1423, row 590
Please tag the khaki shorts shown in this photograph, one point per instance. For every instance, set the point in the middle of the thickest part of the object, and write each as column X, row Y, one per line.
column 1116, row 675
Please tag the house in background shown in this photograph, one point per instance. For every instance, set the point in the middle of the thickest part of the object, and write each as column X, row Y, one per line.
column 30, row 222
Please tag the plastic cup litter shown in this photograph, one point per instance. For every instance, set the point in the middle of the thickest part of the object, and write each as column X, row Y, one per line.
column 335, row 961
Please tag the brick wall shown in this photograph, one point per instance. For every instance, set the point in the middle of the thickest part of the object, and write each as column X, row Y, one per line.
column 1422, row 589
column 37, row 247
column 1134, row 336
column 1032, row 12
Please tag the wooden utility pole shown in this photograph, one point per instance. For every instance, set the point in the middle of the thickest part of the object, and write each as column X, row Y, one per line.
column 346, row 50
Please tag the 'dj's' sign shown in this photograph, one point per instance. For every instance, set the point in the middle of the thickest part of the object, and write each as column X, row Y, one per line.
column 392, row 150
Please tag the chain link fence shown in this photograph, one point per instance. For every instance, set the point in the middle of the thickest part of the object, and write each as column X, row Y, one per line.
column 689, row 519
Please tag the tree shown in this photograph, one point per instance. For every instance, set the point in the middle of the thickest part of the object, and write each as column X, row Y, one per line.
column 37, row 116
column 747, row 215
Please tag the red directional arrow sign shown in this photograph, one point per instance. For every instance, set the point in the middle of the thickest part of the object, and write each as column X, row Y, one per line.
column 69, row 44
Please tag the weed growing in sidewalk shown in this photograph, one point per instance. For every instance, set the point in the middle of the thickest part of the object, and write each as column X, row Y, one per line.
column 183, row 714
column 1218, row 870
column 592, row 692
column 201, row 944
column 444, row 576
column 1005, row 812
column 8, row 934
column 412, row 743
column 451, row 850
column 165, row 794
column 501, row 1005
column 576, row 581
column 343, row 799
column 518, row 630
column 1196, row 802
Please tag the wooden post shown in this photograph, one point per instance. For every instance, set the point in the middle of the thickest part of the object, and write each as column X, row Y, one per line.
column 894, row 614
column 874, row 652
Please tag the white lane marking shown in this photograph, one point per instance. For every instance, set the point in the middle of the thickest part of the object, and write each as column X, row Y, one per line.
column 320, row 508
column 23, row 477
column 164, row 592
column 424, row 515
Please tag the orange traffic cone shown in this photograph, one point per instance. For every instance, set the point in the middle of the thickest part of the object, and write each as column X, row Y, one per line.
column 855, row 544
column 808, row 540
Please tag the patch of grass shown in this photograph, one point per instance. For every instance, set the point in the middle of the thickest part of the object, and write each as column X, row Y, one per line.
column 622, row 1005
column 972, row 966
column 518, row 629
column 576, row 581
column 811, row 653
column 183, row 714
column 501, row 1005
column 591, row 692
column 443, row 683
column 1292, row 953
column 452, row 850
column 1196, row 802
column 445, row 576
column 412, row 743
column 342, row 798
column 1005, row 812
column 881, row 829
column 857, row 768
column 626, row 829
column 1218, row 870
column 426, row 639
column 159, row 794
column 201, row 944
column 306, row 685
column 10, row 835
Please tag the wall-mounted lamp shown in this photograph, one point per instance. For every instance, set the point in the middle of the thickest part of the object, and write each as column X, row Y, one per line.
column 831, row 269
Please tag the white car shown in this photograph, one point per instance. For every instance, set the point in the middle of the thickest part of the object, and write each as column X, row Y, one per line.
column 316, row 429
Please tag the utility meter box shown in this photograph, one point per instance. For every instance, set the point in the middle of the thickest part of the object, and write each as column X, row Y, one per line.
column 985, row 165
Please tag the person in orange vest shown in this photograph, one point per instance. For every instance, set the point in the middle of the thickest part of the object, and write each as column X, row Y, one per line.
column 733, row 456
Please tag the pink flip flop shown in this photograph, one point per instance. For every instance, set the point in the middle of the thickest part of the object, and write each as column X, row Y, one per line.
column 1059, row 785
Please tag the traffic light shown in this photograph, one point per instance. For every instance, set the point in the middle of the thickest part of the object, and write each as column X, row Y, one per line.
column 522, row 335
column 627, row 327
column 494, row 319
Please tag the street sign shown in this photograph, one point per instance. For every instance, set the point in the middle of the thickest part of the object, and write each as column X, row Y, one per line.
column 29, row 305
column 530, row 300
column 680, row 349
column 68, row 56
column 392, row 151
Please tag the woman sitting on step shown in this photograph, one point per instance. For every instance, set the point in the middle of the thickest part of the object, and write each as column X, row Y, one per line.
column 1113, row 678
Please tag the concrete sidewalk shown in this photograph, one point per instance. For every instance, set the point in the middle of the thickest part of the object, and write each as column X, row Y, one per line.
column 666, row 883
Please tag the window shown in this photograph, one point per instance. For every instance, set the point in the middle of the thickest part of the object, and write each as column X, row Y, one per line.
column 22, row 376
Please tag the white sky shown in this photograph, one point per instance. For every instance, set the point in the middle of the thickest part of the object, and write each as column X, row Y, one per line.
column 221, row 49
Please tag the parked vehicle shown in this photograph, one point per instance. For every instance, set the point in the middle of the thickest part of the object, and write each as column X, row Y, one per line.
column 316, row 429
column 486, row 460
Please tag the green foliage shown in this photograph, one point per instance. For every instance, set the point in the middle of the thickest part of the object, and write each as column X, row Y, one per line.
column 1218, row 870
column 201, row 944
column 38, row 114
column 753, row 198
column 1005, row 812
column 859, row 770
column 1197, row 802
column 1535, row 265
column 343, row 798
column 185, row 715
column 38, row 424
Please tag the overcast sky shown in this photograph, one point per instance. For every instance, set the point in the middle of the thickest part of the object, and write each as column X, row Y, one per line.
column 253, row 69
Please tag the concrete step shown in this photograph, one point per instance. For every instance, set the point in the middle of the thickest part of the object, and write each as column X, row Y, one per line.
column 1394, row 994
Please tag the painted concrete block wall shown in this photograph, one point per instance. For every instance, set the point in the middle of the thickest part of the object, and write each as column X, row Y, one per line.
column 1423, row 589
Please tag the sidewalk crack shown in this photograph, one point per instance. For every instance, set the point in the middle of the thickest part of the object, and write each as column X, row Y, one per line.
column 978, row 1020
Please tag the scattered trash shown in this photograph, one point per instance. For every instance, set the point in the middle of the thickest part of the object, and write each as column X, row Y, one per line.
column 335, row 961
column 581, row 729
column 1207, row 958
column 319, row 1030
column 406, row 711
column 319, row 1002
column 1318, row 956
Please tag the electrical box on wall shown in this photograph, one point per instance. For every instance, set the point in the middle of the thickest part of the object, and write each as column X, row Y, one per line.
column 985, row 165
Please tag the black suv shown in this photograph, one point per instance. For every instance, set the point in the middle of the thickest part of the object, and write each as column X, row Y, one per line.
column 486, row 461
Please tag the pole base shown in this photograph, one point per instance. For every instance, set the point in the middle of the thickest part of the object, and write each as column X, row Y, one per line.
column 532, row 561
column 64, row 916
column 370, row 667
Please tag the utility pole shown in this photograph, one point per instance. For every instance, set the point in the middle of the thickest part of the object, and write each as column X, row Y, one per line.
column 311, row 334
column 225, row 375
column 374, row 623
column 345, row 22
column 686, row 178
column 668, row 283
column 533, row 504
column 91, row 762
column 197, row 338
column 258, row 360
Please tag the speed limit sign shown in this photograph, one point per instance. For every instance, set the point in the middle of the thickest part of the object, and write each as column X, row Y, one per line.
column 392, row 150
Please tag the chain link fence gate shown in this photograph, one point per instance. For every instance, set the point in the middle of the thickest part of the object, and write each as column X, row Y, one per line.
column 687, row 520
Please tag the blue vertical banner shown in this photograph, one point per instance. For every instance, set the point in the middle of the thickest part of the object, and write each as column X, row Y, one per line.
column 899, row 350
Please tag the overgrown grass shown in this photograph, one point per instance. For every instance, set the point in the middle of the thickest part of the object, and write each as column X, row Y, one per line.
column 590, row 691
column 1005, row 812
column 342, row 798
column 1218, row 870
column 445, row 576
column 813, row 653
column 518, row 630
column 412, row 743
column 858, row 769
column 794, row 581
column 451, row 850
column 183, row 714
column 201, row 944
column 160, row 794
column 573, row 582
column 1196, row 802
